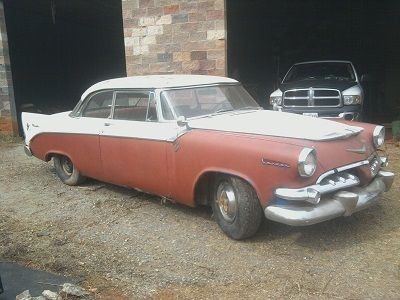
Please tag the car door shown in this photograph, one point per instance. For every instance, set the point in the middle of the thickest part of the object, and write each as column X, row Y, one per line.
column 134, row 143
column 86, row 125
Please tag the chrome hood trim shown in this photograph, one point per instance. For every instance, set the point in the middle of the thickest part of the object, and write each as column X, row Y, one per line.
column 279, row 124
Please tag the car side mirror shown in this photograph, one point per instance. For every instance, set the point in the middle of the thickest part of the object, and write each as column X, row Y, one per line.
column 181, row 121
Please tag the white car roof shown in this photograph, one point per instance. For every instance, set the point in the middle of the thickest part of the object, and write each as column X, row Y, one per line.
column 156, row 82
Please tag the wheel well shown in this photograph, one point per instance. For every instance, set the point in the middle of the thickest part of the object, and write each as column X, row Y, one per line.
column 202, row 191
column 50, row 155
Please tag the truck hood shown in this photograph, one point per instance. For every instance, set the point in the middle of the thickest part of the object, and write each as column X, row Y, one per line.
column 278, row 124
column 341, row 85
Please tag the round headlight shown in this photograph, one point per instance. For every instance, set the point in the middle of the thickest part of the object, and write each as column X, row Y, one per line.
column 307, row 162
column 275, row 100
column 379, row 136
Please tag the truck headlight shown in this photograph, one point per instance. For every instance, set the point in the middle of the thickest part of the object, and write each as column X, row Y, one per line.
column 353, row 95
column 354, row 99
column 379, row 136
column 307, row 163
column 275, row 100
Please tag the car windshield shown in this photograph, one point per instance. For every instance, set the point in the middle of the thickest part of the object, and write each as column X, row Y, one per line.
column 323, row 70
column 203, row 101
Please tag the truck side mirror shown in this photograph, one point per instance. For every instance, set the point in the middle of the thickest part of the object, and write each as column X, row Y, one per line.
column 366, row 78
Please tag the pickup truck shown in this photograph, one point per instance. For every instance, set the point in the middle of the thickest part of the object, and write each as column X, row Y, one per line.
column 329, row 88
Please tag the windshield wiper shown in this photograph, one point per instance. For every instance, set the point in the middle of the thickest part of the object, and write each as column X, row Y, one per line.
column 222, row 110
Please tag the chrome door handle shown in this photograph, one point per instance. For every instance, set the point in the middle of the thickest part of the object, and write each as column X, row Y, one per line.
column 107, row 124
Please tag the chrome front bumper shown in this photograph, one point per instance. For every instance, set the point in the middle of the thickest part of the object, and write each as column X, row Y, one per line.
column 341, row 203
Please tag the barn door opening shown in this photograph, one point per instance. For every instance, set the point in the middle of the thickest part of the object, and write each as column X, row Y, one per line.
column 58, row 48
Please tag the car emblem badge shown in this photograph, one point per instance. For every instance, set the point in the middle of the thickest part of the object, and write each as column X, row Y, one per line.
column 274, row 163
column 361, row 150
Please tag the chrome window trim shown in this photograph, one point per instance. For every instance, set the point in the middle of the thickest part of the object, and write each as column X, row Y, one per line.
column 85, row 103
column 151, row 96
column 160, row 91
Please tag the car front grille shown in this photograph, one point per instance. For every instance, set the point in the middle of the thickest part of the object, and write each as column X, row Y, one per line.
column 317, row 97
column 374, row 164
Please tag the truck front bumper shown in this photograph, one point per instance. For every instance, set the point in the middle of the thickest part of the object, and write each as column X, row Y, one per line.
column 340, row 203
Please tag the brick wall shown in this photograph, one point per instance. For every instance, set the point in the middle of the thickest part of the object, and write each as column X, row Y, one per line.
column 174, row 36
column 8, row 123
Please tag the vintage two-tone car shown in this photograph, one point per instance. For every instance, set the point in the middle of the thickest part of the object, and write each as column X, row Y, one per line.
column 203, row 140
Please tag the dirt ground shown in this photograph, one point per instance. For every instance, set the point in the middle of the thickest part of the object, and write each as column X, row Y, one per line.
column 128, row 245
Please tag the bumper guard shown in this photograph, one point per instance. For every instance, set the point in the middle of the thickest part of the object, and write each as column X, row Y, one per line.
column 341, row 203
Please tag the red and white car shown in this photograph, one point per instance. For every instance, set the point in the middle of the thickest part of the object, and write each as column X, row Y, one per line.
column 202, row 140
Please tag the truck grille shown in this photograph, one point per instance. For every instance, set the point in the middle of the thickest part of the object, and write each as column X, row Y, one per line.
column 312, row 98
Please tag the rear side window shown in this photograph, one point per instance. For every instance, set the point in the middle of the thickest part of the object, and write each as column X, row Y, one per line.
column 99, row 105
column 135, row 106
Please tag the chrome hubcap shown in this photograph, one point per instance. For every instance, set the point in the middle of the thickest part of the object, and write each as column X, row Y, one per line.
column 67, row 165
column 226, row 200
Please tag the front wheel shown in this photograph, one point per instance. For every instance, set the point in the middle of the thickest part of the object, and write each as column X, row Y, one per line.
column 66, row 170
column 236, row 207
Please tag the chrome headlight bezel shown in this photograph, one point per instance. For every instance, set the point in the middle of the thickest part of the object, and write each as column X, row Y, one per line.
column 379, row 136
column 307, row 162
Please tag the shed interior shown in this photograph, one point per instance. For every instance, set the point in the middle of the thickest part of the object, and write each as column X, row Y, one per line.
column 58, row 48
column 266, row 37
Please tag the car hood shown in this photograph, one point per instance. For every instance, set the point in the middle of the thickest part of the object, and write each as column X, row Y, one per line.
column 278, row 124
column 341, row 85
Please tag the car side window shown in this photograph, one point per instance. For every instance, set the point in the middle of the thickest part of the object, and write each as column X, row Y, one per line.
column 99, row 105
column 135, row 106
column 166, row 110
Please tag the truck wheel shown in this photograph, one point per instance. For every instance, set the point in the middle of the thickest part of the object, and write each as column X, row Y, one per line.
column 66, row 170
column 236, row 207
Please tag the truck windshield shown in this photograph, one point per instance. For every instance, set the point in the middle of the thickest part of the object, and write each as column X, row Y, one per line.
column 203, row 101
column 323, row 70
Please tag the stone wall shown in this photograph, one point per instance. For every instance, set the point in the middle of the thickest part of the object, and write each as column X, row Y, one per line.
column 8, row 120
column 175, row 36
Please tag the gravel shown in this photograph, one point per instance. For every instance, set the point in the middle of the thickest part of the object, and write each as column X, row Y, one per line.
column 127, row 244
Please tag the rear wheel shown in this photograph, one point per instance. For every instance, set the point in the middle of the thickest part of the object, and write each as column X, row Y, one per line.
column 236, row 207
column 66, row 170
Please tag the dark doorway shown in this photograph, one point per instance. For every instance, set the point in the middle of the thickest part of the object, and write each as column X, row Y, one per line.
column 58, row 48
column 266, row 37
